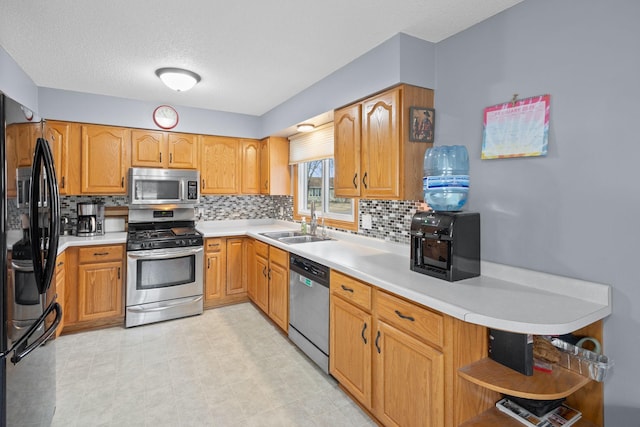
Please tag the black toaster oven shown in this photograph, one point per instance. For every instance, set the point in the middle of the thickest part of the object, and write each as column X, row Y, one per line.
column 446, row 244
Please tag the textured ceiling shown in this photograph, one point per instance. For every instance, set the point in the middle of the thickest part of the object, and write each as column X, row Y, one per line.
column 252, row 54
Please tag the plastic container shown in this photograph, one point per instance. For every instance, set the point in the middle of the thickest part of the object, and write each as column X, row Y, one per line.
column 446, row 177
column 582, row 361
column 303, row 225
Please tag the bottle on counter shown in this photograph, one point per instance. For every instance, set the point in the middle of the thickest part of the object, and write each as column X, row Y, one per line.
column 303, row 225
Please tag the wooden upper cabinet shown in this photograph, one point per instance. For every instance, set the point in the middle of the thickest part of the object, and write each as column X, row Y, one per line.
column 64, row 139
column 390, row 165
column 105, row 159
column 381, row 146
column 275, row 177
column 250, row 150
column 26, row 136
column 219, row 165
column 157, row 149
column 147, row 148
column 11, row 142
column 183, row 150
column 346, row 152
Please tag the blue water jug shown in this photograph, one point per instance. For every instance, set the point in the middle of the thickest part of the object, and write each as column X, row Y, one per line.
column 446, row 177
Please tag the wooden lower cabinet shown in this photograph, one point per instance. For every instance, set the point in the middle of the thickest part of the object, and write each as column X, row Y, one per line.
column 60, row 281
column 225, row 271
column 400, row 359
column 279, row 287
column 350, row 347
column 94, row 291
column 409, row 380
column 271, row 277
column 261, row 275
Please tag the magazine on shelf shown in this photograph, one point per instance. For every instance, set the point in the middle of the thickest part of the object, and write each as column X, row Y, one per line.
column 562, row 416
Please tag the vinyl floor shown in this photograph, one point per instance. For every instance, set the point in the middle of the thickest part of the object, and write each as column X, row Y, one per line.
column 227, row 367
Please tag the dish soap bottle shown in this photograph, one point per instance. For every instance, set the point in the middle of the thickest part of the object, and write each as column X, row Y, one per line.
column 303, row 225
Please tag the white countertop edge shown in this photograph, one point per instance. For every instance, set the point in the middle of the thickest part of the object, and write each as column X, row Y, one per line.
column 575, row 288
column 538, row 328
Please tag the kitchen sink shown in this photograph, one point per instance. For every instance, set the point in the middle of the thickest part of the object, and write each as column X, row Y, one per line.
column 305, row 238
column 293, row 237
column 279, row 234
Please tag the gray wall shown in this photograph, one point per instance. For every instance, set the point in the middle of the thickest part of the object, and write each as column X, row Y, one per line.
column 574, row 212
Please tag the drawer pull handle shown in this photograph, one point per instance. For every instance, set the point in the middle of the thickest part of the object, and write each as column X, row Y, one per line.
column 209, row 263
column 100, row 253
column 60, row 264
column 344, row 288
column 355, row 177
column 364, row 181
column 160, row 157
column 364, row 328
column 170, row 157
column 378, row 339
column 122, row 182
column 264, row 271
column 118, row 273
column 402, row 316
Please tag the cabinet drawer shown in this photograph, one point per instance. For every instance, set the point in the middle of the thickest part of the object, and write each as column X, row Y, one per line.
column 279, row 256
column 262, row 249
column 100, row 253
column 411, row 318
column 213, row 245
column 351, row 289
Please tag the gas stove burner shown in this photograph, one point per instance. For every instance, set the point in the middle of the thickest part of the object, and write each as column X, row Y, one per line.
column 148, row 236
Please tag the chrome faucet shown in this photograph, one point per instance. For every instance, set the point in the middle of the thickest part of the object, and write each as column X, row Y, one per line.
column 313, row 227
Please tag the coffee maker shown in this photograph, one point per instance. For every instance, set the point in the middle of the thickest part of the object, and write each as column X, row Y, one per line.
column 90, row 219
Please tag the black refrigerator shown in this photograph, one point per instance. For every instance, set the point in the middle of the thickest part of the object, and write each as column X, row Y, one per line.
column 28, row 305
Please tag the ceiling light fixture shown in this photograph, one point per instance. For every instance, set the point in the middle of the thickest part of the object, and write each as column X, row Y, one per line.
column 178, row 79
column 305, row 127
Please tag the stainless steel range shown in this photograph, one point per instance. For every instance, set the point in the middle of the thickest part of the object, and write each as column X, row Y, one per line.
column 165, row 259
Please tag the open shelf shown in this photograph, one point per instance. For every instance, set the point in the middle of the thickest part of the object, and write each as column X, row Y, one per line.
column 493, row 417
column 540, row 386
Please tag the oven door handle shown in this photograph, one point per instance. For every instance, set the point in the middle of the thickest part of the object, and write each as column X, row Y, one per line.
column 138, row 309
column 163, row 255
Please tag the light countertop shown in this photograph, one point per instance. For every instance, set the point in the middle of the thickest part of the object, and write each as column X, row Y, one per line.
column 503, row 297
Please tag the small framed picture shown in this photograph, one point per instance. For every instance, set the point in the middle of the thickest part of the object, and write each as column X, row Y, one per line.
column 421, row 124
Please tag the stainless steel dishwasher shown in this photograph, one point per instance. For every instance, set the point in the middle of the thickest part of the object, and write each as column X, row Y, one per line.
column 309, row 309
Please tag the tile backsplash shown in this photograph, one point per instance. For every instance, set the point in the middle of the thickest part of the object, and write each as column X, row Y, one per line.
column 390, row 219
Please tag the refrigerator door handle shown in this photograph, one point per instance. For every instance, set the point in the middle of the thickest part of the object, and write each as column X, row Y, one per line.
column 17, row 357
column 32, row 329
column 43, row 269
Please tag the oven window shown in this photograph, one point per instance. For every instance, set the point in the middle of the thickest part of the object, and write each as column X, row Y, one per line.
column 435, row 253
column 161, row 273
column 157, row 190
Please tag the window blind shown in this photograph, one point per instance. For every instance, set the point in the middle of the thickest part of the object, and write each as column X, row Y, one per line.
column 308, row 146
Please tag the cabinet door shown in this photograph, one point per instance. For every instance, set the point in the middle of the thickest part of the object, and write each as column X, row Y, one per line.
column 279, row 289
column 219, row 165
column 236, row 276
column 250, row 166
column 214, row 276
column 64, row 140
column 381, row 146
column 11, row 141
column 262, row 283
column 99, row 290
column 350, row 348
column 183, row 151
column 251, row 272
column 409, row 380
column 105, row 159
column 346, row 151
column 148, row 149
column 27, row 134
column 275, row 175
column 60, row 288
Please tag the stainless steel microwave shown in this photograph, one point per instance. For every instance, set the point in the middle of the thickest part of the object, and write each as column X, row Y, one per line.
column 23, row 182
column 149, row 187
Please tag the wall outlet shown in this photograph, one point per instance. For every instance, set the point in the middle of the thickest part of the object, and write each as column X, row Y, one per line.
column 366, row 222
